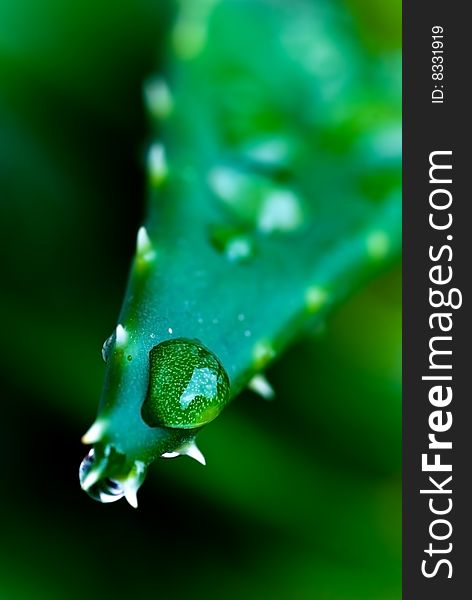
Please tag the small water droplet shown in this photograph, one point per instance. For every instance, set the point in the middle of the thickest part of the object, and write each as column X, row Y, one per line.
column 239, row 249
column 236, row 246
column 106, row 348
column 104, row 489
column 170, row 330
column 215, row 321
column 130, row 358
column 241, row 317
column 188, row 386
column 281, row 211
column 248, row 333
column 270, row 152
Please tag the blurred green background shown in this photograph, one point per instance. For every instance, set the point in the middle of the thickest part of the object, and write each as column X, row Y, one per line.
column 301, row 496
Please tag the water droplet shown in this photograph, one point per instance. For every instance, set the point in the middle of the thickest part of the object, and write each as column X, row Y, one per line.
column 273, row 153
column 188, row 386
column 170, row 330
column 203, row 382
column 129, row 357
column 281, row 211
column 239, row 249
column 106, row 348
column 241, row 317
column 247, row 333
column 236, row 246
column 104, row 489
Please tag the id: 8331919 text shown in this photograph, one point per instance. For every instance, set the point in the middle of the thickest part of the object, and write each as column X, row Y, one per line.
column 437, row 66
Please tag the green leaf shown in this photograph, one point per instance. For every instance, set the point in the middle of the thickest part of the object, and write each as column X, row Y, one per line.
column 274, row 192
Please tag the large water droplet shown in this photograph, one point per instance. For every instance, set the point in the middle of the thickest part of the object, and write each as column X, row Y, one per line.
column 188, row 386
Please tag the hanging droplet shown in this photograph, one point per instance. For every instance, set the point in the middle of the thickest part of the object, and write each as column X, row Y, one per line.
column 103, row 490
column 188, row 386
column 93, row 479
